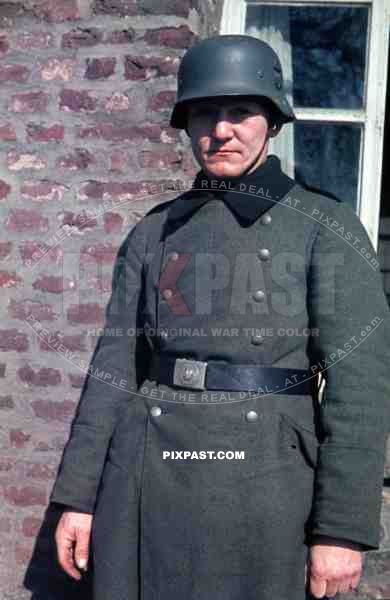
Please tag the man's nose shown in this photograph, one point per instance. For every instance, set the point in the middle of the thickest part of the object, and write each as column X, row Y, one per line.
column 222, row 126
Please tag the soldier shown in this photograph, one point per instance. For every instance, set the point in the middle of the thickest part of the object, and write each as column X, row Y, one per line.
column 224, row 282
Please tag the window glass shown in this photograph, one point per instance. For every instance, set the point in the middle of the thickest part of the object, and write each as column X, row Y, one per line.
column 327, row 158
column 322, row 50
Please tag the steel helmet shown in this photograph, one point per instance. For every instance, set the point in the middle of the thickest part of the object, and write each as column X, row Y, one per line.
column 230, row 65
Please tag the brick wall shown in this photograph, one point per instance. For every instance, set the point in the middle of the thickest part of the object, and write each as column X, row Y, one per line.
column 86, row 91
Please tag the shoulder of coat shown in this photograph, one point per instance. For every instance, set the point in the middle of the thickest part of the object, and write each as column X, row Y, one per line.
column 317, row 193
column 159, row 212
column 319, row 199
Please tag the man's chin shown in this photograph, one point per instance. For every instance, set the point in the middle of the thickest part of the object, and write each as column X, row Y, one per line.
column 223, row 169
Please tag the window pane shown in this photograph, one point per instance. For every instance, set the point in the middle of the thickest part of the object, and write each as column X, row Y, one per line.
column 322, row 50
column 327, row 158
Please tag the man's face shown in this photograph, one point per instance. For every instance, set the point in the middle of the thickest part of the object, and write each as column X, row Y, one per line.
column 227, row 134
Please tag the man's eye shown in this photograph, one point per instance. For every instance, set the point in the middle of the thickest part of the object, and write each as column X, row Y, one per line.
column 240, row 111
column 202, row 111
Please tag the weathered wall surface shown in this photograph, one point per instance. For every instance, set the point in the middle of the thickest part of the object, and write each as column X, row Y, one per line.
column 86, row 92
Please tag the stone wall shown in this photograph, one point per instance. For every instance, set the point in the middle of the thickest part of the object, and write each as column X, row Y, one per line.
column 86, row 92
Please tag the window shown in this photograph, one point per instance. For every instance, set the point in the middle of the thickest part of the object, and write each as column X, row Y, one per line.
column 334, row 59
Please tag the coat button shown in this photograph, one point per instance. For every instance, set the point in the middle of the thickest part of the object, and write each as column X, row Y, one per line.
column 251, row 416
column 266, row 219
column 167, row 293
column 264, row 254
column 258, row 296
column 257, row 339
column 155, row 411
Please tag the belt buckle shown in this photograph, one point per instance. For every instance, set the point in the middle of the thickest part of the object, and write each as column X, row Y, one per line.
column 190, row 373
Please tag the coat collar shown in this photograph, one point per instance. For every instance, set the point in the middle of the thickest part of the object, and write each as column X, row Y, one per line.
column 269, row 184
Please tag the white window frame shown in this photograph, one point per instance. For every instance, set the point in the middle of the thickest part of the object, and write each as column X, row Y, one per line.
column 371, row 117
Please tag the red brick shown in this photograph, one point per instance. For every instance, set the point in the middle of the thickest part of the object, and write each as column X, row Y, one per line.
column 23, row 554
column 73, row 343
column 27, row 495
column 102, row 253
column 42, row 377
column 85, row 313
column 8, row 12
column 82, row 38
column 96, row 189
column 174, row 37
column 80, row 159
column 124, row 36
column 76, row 381
column 58, row 69
column 5, row 189
column 145, row 67
column 113, row 222
column 26, row 219
column 120, row 8
column 101, row 283
column 19, row 438
column 77, row 101
column 80, row 221
column 160, row 159
column 53, row 284
column 4, row 45
column 118, row 160
column 100, row 68
column 30, row 248
column 56, row 11
column 17, row 161
column 169, row 135
column 117, row 102
column 22, row 309
column 7, row 133
column 12, row 339
column 5, row 249
column 29, row 102
column 6, row 403
column 40, row 471
column 163, row 100
column 42, row 190
column 14, row 73
column 31, row 526
column 6, row 464
column 119, row 132
column 5, row 525
column 34, row 39
column 179, row 8
column 41, row 133
column 54, row 411
column 8, row 279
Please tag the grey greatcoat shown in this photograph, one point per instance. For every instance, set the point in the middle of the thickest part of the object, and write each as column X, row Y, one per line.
column 166, row 529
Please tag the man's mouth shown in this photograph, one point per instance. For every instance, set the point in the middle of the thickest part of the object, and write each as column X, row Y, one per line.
column 221, row 152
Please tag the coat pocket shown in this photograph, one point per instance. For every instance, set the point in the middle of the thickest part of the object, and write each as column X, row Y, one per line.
column 301, row 439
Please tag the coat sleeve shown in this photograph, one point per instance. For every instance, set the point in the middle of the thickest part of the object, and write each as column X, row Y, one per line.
column 116, row 363
column 347, row 304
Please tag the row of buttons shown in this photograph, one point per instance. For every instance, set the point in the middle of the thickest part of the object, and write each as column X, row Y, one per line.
column 250, row 416
column 256, row 339
column 258, row 296
column 264, row 254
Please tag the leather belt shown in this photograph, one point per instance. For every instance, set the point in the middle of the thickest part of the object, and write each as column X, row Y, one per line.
column 219, row 375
